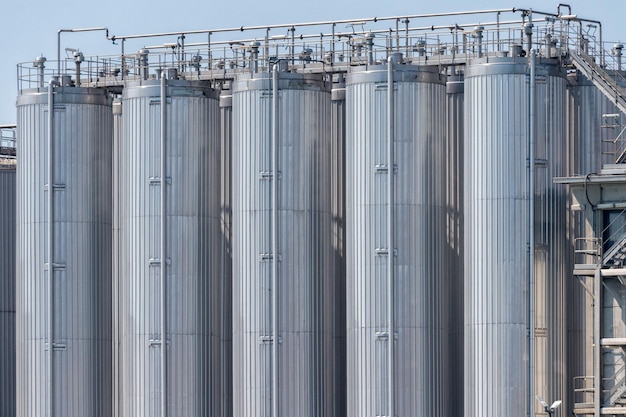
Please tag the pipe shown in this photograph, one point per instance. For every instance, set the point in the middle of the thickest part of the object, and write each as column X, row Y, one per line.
column 397, row 35
column 74, row 31
column 181, row 53
column 531, row 232
column 267, row 48
column 498, row 31
column 332, row 45
column 40, row 64
column 617, row 49
column 602, row 59
column 275, row 240
column 479, row 36
column 123, row 60
column 574, row 18
column 528, row 31
column 50, row 381
column 78, row 59
column 569, row 8
column 225, row 218
column 210, row 54
column 254, row 57
column 370, row 48
column 162, row 237
column 406, row 36
column 320, row 23
column 390, row 236
column 143, row 63
column 293, row 45
column 333, row 34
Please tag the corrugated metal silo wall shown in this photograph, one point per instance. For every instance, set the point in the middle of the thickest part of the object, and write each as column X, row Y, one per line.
column 7, row 290
column 421, row 281
column 454, row 230
column 306, row 304
column 192, row 299
column 496, row 237
column 80, row 380
column 586, row 105
column 338, row 213
column 553, row 247
column 226, row 126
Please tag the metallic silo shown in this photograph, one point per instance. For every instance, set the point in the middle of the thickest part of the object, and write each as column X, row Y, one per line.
column 454, row 233
column 501, row 122
column 63, row 293
column 590, row 133
column 170, row 242
column 396, row 241
column 7, row 286
column 226, row 128
column 283, row 273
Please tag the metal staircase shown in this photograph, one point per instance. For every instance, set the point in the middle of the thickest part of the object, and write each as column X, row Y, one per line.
column 615, row 257
column 611, row 396
column 617, row 396
column 600, row 78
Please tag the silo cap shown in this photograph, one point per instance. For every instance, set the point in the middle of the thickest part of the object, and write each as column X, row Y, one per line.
column 39, row 61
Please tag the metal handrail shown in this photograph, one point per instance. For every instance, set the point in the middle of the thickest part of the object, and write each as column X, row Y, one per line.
column 588, row 247
column 455, row 42
column 8, row 136
column 8, row 142
column 617, row 384
column 584, row 385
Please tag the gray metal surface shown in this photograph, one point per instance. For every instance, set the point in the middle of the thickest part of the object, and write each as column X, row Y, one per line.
column 306, row 304
column 226, row 127
column 117, row 175
column 338, row 236
column 496, row 239
column 81, row 302
column 553, row 247
column 454, row 235
column 7, row 290
column 421, row 304
column 192, row 302
column 497, row 236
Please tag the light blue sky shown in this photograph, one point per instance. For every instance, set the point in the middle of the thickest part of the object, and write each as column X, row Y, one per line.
column 30, row 29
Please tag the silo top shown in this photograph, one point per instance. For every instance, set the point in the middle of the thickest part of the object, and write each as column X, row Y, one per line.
column 286, row 81
column 401, row 73
column 175, row 88
column 65, row 95
column 511, row 65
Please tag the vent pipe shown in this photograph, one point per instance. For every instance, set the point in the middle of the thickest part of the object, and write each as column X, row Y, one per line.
column 390, row 235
